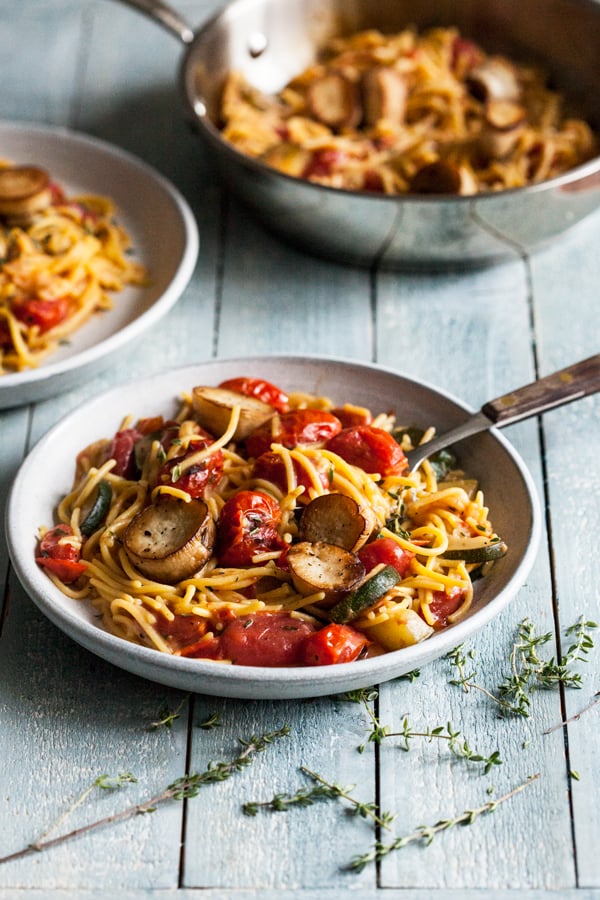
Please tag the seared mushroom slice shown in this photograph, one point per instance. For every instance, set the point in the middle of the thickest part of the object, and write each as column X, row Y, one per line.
column 213, row 408
column 333, row 100
column 384, row 92
column 24, row 191
column 170, row 540
column 324, row 567
column 503, row 124
column 442, row 177
column 494, row 79
column 337, row 519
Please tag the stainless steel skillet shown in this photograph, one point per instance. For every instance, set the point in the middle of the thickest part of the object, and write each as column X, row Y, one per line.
column 270, row 41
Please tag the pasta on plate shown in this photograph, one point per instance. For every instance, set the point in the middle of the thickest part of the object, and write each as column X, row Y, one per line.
column 409, row 113
column 62, row 259
column 261, row 528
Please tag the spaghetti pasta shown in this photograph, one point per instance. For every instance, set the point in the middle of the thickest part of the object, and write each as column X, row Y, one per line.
column 409, row 113
column 311, row 530
column 61, row 260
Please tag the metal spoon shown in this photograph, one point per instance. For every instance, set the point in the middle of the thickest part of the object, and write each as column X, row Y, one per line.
column 572, row 383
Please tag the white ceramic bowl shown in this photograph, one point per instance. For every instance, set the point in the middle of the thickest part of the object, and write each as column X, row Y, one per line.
column 164, row 237
column 47, row 474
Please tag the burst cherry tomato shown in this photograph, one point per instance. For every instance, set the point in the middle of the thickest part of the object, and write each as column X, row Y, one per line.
column 45, row 314
column 333, row 644
column 262, row 390
column 271, row 467
column 266, row 639
column 197, row 477
column 122, row 451
column 443, row 604
column 371, row 449
column 60, row 555
column 387, row 552
column 300, row 426
column 350, row 416
column 247, row 526
column 324, row 162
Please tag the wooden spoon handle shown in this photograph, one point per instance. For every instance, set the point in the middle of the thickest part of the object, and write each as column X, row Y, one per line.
column 572, row 383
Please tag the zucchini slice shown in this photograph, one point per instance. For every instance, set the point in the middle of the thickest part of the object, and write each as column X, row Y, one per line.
column 478, row 549
column 99, row 510
column 365, row 596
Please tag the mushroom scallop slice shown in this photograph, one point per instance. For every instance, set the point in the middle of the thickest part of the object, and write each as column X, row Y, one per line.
column 24, row 191
column 322, row 567
column 214, row 406
column 170, row 540
column 337, row 519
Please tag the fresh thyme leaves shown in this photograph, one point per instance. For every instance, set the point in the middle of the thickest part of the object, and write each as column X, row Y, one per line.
column 529, row 671
column 104, row 783
column 458, row 745
column 166, row 716
column 213, row 721
column 426, row 833
column 322, row 790
column 182, row 788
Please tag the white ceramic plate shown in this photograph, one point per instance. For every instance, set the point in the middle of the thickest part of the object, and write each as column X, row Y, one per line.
column 47, row 473
column 164, row 237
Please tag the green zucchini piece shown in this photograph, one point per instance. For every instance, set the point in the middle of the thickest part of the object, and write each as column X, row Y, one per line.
column 369, row 592
column 478, row 549
column 99, row 510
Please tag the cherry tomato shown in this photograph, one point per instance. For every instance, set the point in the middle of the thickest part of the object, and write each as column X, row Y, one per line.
column 371, row 449
column 333, row 644
column 324, row 162
column 270, row 467
column 444, row 603
column 66, row 570
column 182, row 630
column 55, row 545
column 5, row 335
column 262, row 390
column 61, row 556
column 122, row 451
column 350, row 416
column 266, row 639
column 197, row 477
column 45, row 314
column 300, row 426
column 387, row 551
column 247, row 526
column 207, row 648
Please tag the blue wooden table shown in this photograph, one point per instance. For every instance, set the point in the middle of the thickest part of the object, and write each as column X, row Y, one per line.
column 67, row 718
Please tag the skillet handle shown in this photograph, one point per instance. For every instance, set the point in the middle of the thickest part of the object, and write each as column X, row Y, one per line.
column 572, row 383
column 165, row 16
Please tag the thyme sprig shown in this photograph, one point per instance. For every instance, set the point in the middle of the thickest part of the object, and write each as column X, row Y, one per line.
column 182, row 788
column 458, row 744
column 426, row 833
column 321, row 790
column 167, row 716
column 529, row 671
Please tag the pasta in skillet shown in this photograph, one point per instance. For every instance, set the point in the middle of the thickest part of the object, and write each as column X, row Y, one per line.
column 261, row 528
column 429, row 113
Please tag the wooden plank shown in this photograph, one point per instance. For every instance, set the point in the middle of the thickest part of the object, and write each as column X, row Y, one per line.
column 265, row 309
column 480, row 325
column 567, row 325
column 281, row 851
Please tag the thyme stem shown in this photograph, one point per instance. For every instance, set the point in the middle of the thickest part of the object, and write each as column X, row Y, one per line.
column 426, row 833
column 181, row 789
